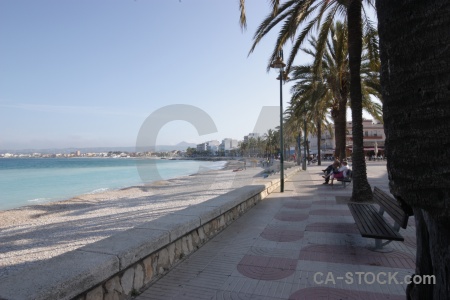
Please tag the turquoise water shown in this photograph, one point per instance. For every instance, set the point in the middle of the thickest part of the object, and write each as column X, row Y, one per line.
column 27, row 181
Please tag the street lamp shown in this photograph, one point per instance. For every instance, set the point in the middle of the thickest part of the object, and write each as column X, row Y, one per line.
column 279, row 64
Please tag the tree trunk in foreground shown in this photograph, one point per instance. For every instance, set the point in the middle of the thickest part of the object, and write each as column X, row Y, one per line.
column 361, row 188
column 415, row 78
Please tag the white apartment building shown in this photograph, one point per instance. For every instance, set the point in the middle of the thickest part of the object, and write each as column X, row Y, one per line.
column 210, row 146
column 228, row 144
column 202, row 147
column 253, row 135
column 213, row 146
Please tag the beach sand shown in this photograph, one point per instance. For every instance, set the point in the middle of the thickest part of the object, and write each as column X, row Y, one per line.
column 29, row 235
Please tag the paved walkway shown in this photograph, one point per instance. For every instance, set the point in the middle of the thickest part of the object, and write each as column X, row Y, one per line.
column 300, row 244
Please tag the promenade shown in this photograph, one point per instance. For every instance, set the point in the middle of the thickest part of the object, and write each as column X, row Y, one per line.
column 300, row 244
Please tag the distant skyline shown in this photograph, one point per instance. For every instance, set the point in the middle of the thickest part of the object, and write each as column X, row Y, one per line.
column 88, row 73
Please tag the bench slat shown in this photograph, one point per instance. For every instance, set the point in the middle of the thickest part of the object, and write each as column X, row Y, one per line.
column 370, row 224
column 391, row 206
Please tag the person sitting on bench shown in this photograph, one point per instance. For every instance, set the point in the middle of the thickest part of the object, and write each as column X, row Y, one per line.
column 330, row 170
column 341, row 173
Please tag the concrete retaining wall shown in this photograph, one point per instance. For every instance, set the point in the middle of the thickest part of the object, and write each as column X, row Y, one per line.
column 122, row 265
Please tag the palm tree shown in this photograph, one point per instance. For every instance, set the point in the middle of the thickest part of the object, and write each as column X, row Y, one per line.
column 363, row 189
column 252, row 145
column 333, row 67
column 293, row 125
column 329, row 82
column 243, row 148
column 271, row 141
column 306, row 105
column 415, row 76
column 261, row 145
column 297, row 12
column 325, row 87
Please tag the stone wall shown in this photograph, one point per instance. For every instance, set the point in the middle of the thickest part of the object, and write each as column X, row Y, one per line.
column 141, row 274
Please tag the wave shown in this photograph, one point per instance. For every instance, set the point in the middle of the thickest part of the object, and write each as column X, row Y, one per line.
column 39, row 200
column 217, row 165
column 98, row 191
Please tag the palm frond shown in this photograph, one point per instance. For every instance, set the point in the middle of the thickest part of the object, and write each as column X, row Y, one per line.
column 243, row 18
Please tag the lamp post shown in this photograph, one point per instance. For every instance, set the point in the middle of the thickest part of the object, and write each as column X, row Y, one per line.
column 279, row 64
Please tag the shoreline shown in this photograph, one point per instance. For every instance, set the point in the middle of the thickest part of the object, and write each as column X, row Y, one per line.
column 229, row 166
column 44, row 198
column 34, row 233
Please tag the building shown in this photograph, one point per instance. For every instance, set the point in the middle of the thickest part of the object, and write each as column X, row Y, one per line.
column 252, row 135
column 374, row 139
column 228, row 144
column 202, row 147
column 213, row 147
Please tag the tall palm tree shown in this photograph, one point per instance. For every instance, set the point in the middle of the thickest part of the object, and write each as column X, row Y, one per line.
column 252, row 145
column 320, row 14
column 306, row 105
column 363, row 189
column 332, row 67
column 328, row 78
column 415, row 76
column 243, row 146
column 271, row 138
column 293, row 128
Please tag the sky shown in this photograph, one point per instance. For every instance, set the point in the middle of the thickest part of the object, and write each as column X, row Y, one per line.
column 89, row 73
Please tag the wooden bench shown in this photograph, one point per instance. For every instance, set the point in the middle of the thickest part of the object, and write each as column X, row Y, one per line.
column 347, row 179
column 372, row 224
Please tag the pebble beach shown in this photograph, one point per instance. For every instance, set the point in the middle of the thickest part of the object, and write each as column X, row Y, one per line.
column 29, row 235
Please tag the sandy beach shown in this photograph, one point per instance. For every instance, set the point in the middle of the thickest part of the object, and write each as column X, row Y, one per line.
column 30, row 235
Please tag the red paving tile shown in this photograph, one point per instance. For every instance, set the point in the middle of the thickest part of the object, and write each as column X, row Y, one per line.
column 270, row 273
column 266, row 268
column 322, row 293
column 330, row 212
column 357, row 256
column 291, row 216
column 281, row 235
column 332, row 227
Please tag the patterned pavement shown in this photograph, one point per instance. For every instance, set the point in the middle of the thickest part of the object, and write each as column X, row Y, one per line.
column 300, row 244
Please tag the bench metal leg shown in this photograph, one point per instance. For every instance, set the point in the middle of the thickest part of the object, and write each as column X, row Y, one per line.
column 380, row 246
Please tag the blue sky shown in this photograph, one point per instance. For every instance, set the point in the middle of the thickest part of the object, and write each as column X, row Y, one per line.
column 88, row 73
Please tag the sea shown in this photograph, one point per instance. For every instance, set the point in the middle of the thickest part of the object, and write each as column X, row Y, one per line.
column 30, row 181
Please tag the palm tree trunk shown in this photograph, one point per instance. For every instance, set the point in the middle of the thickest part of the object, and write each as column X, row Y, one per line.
column 415, row 76
column 361, row 188
column 319, row 140
column 340, row 127
column 307, row 149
